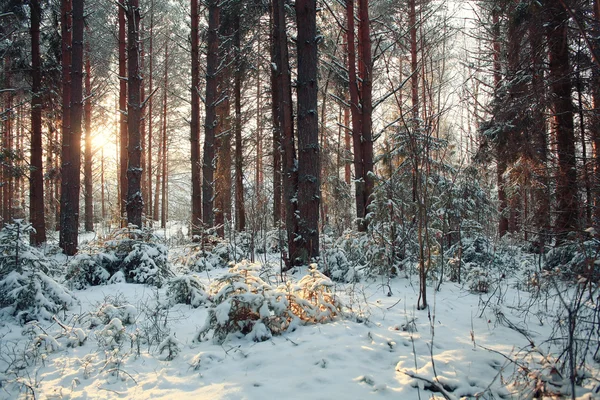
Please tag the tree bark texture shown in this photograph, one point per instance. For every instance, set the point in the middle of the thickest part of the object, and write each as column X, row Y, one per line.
column 135, row 202
column 309, row 187
column 122, row 112
column 208, row 166
column 286, row 121
column 567, row 209
column 88, row 160
column 195, row 126
column 240, row 220
column 36, row 187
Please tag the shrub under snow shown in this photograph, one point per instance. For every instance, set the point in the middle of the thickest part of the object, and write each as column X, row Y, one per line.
column 26, row 289
column 130, row 255
column 246, row 305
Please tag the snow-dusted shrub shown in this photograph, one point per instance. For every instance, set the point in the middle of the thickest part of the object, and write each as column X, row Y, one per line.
column 137, row 254
column 187, row 289
column 246, row 305
column 313, row 300
column 171, row 347
column 214, row 254
column 112, row 308
column 112, row 334
column 26, row 289
column 85, row 270
column 478, row 279
column 576, row 258
column 147, row 263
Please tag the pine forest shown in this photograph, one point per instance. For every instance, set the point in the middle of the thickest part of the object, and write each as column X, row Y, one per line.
column 332, row 199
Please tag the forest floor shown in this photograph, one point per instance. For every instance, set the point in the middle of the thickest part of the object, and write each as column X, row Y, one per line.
column 464, row 345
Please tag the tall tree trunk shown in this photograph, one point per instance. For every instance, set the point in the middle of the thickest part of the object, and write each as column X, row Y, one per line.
column 157, row 181
column 286, row 121
column 560, row 84
column 276, row 126
column 195, row 126
column 355, row 109
column 102, row 198
column 71, row 162
column 366, row 103
column 36, row 186
column 6, row 170
column 222, row 204
column 309, row 182
column 123, row 113
column 143, row 146
column 135, row 203
column 165, row 154
column 212, row 60
column 240, row 220
column 538, row 126
column 66, row 36
column 88, row 161
column 149, row 206
column 595, row 123
column 414, row 59
column 501, row 141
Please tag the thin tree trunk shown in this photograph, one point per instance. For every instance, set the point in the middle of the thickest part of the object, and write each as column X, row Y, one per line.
column 71, row 163
column 88, row 161
column 595, row 124
column 277, row 184
column 165, row 174
column 195, row 126
column 6, row 179
column 149, row 206
column 143, row 146
column 222, row 204
column 102, row 198
column 123, row 113
column 240, row 220
column 36, row 187
column 212, row 60
column 501, row 141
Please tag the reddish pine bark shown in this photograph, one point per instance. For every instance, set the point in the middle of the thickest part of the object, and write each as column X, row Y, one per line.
column 195, row 126
column 309, row 194
column 285, row 117
column 135, row 203
column 355, row 109
column 123, row 113
column 6, row 179
column 36, row 187
column 560, row 85
column 501, row 141
column 165, row 157
column 71, row 163
column 149, row 206
column 144, row 182
column 277, row 183
column 88, row 160
column 222, row 203
column 210, row 122
column 367, row 103
column 240, row 220
column 595, row 125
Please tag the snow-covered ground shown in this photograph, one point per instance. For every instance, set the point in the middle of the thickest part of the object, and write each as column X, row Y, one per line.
column 464, row 345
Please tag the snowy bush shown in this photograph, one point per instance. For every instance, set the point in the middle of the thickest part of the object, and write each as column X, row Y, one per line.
column 111, row 308
column 171, row 347
column 576, row 258
column 187, row 289
column 85, row 270
column 26, row 289
column 246, row 305
column 112, row 334
column 129, row 255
